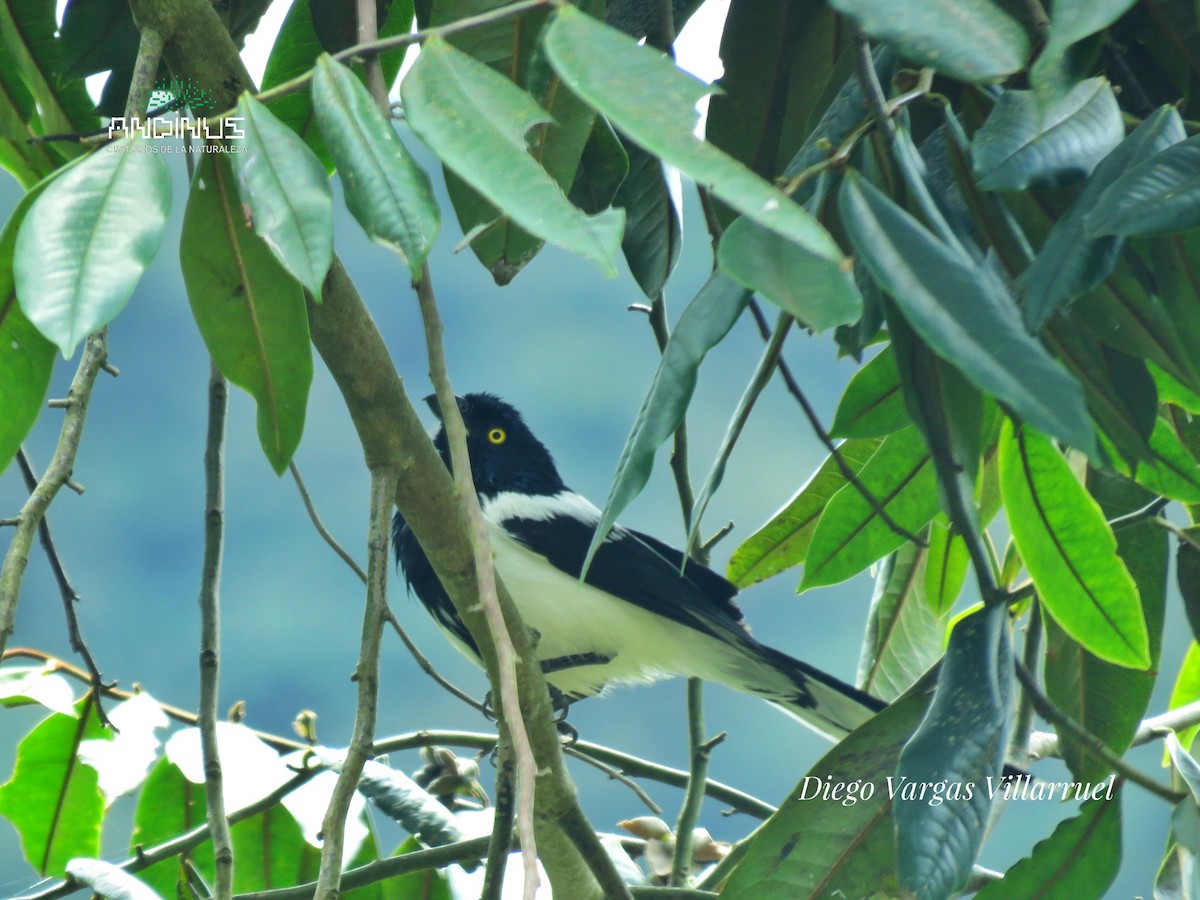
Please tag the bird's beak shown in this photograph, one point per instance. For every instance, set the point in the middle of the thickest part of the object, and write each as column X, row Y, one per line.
column 432, row 402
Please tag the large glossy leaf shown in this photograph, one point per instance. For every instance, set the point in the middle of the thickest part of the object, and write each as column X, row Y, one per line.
column 701, row 327
column 1070, row 551
column 296, row 50
column 476, row 120
column 27, row 162
column 603, row 169
column 1070, row 261
column 386, row 191
column 54, row 802
column 1187, row 685
column 971, row 40
column 904, row 636
column 835, row 847
column 286, row 188
column 1159, row 195
column 249, row 310
column 1108, row 700
column 872, row 404
column 946, row 567
column 783, row 542
column 87, row 239
column 96, row 36
column 1022, row 146
column 651, row 102
column 653, row 230
column 1070, row 22
column 767, row 263
column 1176, row 264
column 26, row 358
column 1173, row 472
column 780, row 58
column 851, row 534
column 28, row 36
column 1079, row 860
column 964, row 313
column 962, row 741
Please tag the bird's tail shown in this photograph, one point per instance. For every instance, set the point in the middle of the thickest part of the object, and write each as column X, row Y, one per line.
column 824, row 703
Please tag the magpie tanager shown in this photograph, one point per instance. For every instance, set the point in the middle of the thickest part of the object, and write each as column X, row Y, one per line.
column 642, row 613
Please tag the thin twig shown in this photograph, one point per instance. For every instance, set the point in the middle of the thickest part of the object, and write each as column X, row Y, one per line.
column 67, row 592
column 422, row 661
column 16, row 559
column 326, row 536
column 282, row 744
column 368, row 31
column 210, row 631
column 616, row 775
column 693, row 798
column 1051, row 713
column 679, row 446
column 1030, row 654
column 506, row 657
column 814, row 422
column 383, row 490
column 502, row 822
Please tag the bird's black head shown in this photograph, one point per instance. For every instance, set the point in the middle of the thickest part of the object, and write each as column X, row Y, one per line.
column 505, row 456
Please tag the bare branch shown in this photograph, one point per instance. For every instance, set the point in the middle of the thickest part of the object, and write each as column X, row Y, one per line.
column 210, row 631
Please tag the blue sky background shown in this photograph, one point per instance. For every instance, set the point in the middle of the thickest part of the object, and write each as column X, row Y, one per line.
column 560, row 344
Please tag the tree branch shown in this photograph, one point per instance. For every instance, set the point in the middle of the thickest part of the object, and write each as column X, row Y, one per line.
column 210, row 631
column 383, row 480
column 16, row 559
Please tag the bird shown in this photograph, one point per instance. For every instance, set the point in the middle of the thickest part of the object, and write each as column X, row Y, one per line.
column 643, row 611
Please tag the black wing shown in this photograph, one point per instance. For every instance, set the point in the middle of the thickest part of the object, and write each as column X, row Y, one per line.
column 638, row 569
column 423, row 581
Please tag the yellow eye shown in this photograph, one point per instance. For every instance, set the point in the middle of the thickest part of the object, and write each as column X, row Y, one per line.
column 497, row 436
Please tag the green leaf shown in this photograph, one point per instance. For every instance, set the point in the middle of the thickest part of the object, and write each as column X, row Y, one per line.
column 1070, row 22
column 872, row 405
column 971, row 40
column 1022, row 146
column 1187, row 683
column 651, row 101
column 54, row 803
column 1070, row 551
column 963, row 311
column 88, row 237
column 780, row 59
column 96, row 36
column 1080, row 860
column 1071, row 262
column 783, row 542
column 904, row 636
column 269, row 851
column 285, row 186
column 429, row 884
column 386, row 191
column 1176, row 265
column 476, row 119
column 1108, row 700
column 767, row 263
column 249, row 310
column 28, row 36
column 961, row 741
column 843, row 846
column 851, row 534
column 701, row 326
column 1159, row 195
column 167, row 806
column 20, row 685
column 653, row 231
column 26, row 358
column 603, row 168
column 946, row 567
column 296, row 50
column 1187, row 573
column 1173, row 472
